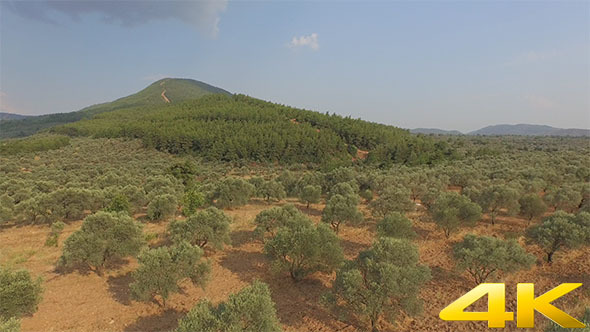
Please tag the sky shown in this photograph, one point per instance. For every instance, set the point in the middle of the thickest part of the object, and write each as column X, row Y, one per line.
column 437, row 64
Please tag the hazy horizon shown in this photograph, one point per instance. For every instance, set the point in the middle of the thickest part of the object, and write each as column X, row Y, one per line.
column 412, row 65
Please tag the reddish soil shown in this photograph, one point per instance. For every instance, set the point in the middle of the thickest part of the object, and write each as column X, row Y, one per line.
column 82, row 302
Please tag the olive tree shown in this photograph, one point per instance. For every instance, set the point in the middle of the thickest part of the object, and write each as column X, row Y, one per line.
column 161, row 269
column 206, row 227
column 135, row 195
column 304, row 249
column 391, row 199
column 102, row 237
column 119, row 203
column 6, row 208
column 532, row 206
column 496, row 197
column 249, row 310
column 342, row 209
column 396, row 225
column 559, row 231
column 380, row 282
column 566, row 198
column 232, row 192
column 270, row 220
column 272, row 190
column 289, row 182
column 192, row 200
column 19, row 293
column 451, row 210
column 310, row 194
column 162, row 207
column 343, row 189
column 10, row 325
column 483, row 256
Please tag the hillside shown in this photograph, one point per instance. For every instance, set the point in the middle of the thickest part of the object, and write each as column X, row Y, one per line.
column 238, row 128
column 161, row 92
column 434, row 131
column 529, row 130
column 11, row 116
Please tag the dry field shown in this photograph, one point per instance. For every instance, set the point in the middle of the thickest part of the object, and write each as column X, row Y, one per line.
column 85, row 302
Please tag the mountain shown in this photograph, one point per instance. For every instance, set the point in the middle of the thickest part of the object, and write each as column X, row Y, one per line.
column 162, row 92
column 529, row 130
column 11, row 116
column 435, row 131
column 238, row 128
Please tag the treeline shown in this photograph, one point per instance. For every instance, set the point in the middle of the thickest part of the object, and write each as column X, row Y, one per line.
column 232, row 128
column 32, row 144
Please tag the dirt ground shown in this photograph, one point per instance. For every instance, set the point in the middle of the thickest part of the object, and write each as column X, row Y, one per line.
column 85, row 302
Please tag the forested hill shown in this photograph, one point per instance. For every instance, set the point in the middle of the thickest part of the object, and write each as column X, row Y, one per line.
column 237, row 128
column 162, row 92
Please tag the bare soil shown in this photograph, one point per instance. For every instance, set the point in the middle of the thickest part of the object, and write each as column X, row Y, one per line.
column 84, row 301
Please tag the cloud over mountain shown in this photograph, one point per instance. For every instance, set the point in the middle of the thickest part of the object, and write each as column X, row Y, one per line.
column 204, row 14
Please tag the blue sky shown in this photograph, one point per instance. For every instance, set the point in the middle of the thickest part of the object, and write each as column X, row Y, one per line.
column 447, row 64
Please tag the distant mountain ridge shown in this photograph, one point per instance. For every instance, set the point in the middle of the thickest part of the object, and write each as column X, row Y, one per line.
column 507, row 129
column 529, row 130
column 161, row 92
column 434, row 131
column 11, row 116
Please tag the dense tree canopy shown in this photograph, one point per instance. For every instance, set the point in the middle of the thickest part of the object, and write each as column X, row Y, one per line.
column 230, row 128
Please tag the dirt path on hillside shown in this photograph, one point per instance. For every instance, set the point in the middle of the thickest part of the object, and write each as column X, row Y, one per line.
column 164, row 96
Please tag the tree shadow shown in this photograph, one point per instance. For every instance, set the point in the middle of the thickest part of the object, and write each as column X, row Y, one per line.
column 352, row 248
column 309, row 210
column 247, row 265
column 119, row 287
column 242, row 237
column 164, row 321
column 84, row 269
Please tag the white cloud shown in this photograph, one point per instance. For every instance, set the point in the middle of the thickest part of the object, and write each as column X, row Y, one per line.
column 203, row 14
column 310, row 41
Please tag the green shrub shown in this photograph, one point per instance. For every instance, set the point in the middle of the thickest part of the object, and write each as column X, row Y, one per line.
column 19, row 294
